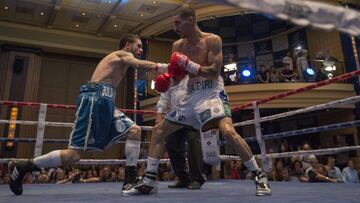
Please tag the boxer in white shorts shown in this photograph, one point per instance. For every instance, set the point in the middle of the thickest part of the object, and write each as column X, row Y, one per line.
column 200, row 55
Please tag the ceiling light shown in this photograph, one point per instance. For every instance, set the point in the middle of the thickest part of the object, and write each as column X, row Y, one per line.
column 115, row 25
column 6, row 8
column 42, row 13
column 142, row 15
column 77, row 25
column 154, row 2
column 83, row 13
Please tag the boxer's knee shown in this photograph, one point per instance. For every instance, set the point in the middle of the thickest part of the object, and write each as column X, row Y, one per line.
column 134, row 133
column 70, row 156
column 158, row 134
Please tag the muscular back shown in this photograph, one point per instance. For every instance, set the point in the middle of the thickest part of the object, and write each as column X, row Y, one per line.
column 111, row 69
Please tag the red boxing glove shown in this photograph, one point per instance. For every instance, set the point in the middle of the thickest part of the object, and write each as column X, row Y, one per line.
column 183, row 62
column 162, row 82
column 176, row 73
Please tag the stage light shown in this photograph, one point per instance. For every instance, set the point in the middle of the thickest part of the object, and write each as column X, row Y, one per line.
column 230, row 67
column 246, row 73
column 309, row 75
column 310, row 71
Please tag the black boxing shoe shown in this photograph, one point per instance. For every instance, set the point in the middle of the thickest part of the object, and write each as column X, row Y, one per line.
column 17, row 171
column 194, row 185
column 130, row 177
column 179, row 184
column 261, row 182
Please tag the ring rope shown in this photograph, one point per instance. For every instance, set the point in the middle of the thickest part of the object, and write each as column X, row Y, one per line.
column 303, row 110
column 222, row 157
column 299, row 90
column 324, row 128
column 304, row 13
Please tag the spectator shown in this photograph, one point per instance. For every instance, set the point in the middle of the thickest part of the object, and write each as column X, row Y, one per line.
column 288, row 75
column 333, row 171
column 6, row 178
column 316, row 173
column 297, row 169
column 288, row 60
column 241, row 168
column 350, row 174
column 341, row 158
column 274, row 75
column 277, row 172
column 228, row 166
column 1, row 176
column 284, row 147
column 263, row 75
column 121, row 174
column 286, row 174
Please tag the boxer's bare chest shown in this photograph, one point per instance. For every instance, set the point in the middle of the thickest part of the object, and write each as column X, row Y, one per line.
column 197, row 52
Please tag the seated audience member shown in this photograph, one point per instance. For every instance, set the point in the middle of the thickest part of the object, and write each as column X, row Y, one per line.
column 316, row 173
column 350, row 174
column 288, row 75
column 297, row 169
column 263, row 75
column 333, row 171
column 274, row 75
column 277, row 172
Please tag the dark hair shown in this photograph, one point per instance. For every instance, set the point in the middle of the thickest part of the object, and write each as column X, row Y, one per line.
column 186, row 12
column 127, row 38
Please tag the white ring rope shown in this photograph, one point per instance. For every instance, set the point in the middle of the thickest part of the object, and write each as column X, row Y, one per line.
column 303, row 110
column 55, row 124
column 304, row 13
column 222, row 157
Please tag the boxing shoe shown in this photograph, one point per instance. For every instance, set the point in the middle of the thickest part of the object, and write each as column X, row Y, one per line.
column 179, row 184
column 261, row 182
column 18, row 170
column 142, row 189
column 194, row 185
column 130, row 177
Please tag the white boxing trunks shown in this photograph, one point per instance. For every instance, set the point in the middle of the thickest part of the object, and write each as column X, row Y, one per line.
column 205, row 100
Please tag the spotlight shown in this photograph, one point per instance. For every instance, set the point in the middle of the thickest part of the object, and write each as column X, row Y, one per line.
column 309, row 75
column 299, row 47
column 310, row 71
column 230, row 67
column 246, row 73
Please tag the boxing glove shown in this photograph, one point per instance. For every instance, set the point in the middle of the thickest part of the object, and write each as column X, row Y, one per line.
column 162, row 82
column 182, row 62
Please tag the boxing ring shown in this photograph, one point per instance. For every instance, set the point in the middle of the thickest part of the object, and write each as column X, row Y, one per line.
column 222, row 190
column 212, row 191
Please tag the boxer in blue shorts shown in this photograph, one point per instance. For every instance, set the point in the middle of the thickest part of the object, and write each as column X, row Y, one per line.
column 97, row 124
